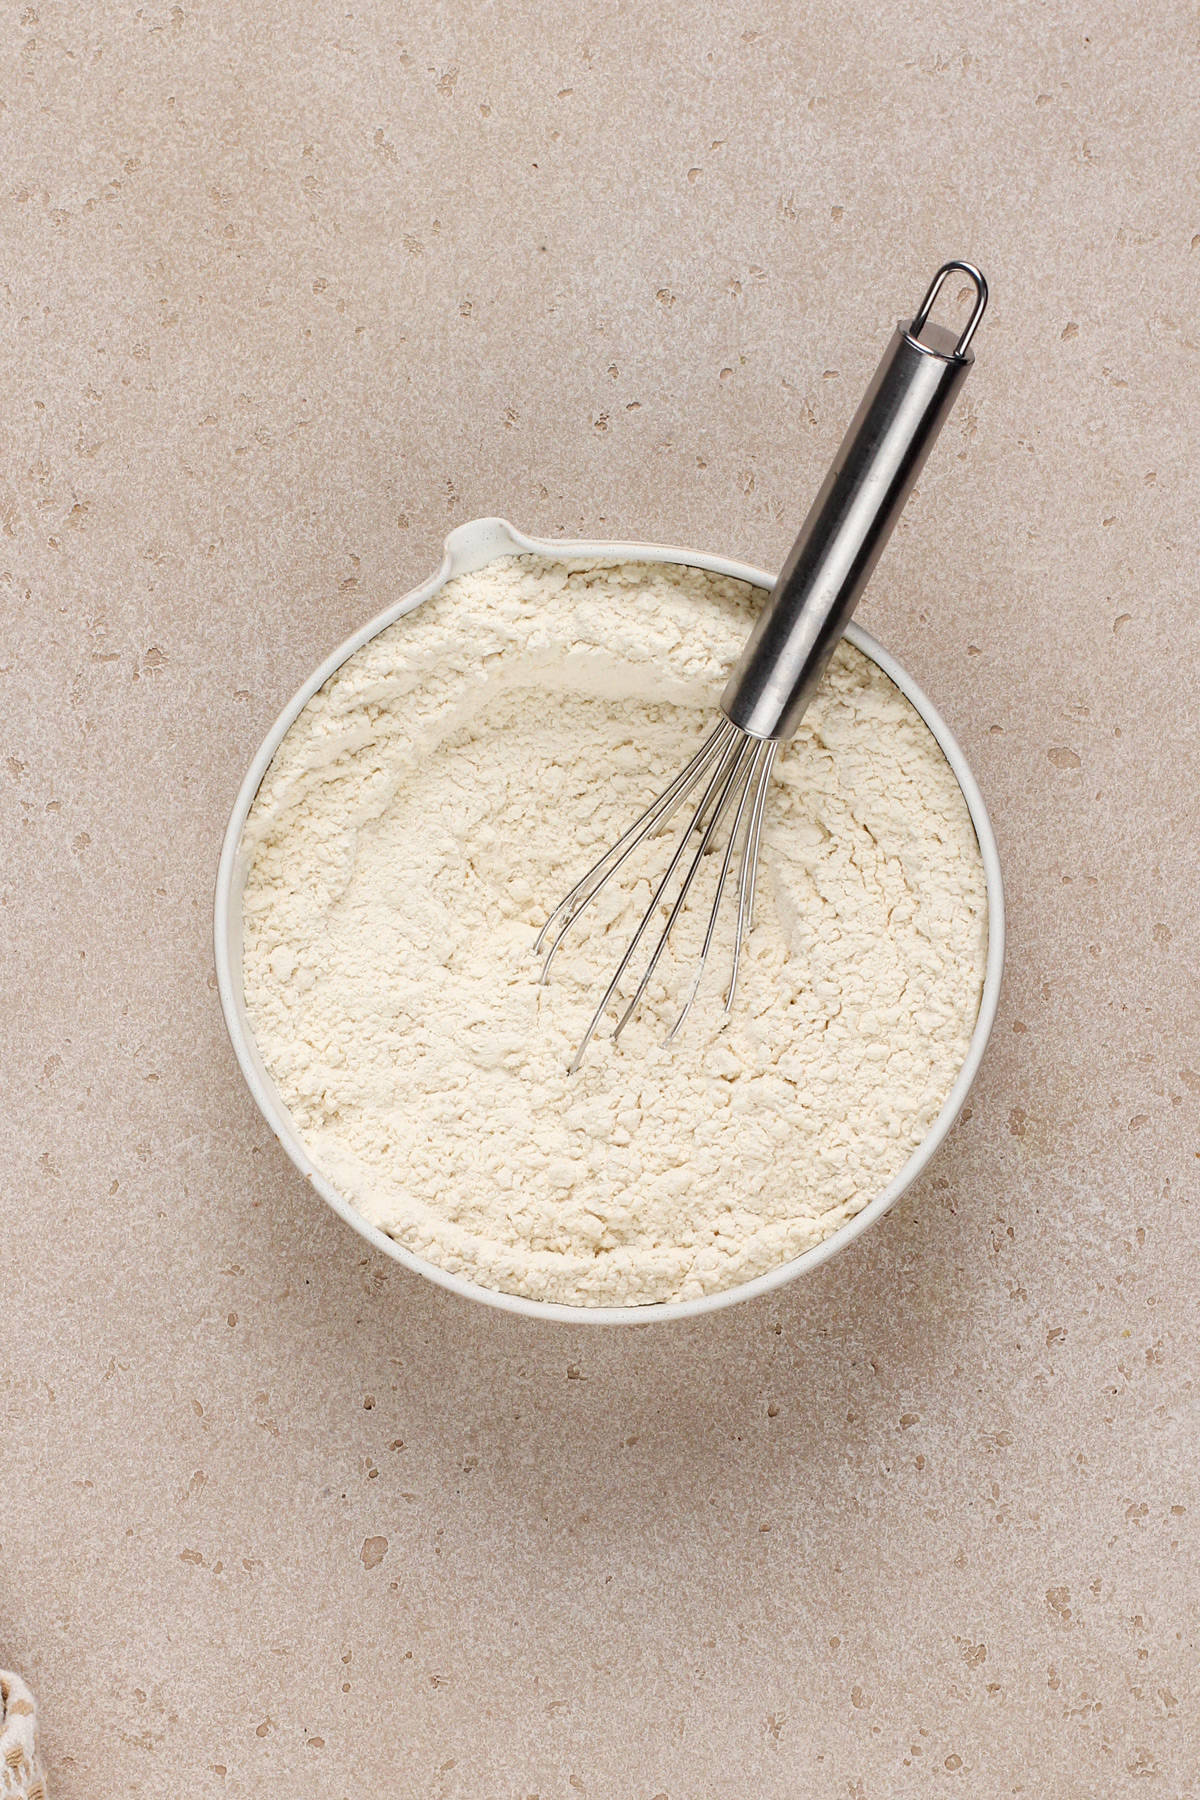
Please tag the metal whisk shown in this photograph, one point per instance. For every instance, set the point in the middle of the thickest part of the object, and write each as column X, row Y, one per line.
column 765, row 698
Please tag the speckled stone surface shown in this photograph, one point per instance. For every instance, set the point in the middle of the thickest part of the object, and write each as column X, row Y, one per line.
column 288, row 291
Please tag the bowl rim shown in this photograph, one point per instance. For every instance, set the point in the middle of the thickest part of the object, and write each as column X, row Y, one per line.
column 469, row 547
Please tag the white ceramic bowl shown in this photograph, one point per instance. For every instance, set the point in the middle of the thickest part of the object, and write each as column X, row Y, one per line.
column 469, row 548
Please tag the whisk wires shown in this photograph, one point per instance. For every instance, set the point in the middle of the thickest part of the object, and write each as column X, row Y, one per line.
column 733, row 770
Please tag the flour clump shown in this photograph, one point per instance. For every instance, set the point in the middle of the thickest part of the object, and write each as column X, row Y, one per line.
column 430, row 805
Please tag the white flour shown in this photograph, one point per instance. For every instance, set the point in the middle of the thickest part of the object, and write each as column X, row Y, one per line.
column 429, row 807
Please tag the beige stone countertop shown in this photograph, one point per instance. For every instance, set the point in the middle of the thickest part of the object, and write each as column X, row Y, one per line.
column 289, row 291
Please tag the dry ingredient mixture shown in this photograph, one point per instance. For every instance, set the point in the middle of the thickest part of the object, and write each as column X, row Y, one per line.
column 432, row 803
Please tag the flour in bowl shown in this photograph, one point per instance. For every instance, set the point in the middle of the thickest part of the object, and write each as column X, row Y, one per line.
column 432, row 803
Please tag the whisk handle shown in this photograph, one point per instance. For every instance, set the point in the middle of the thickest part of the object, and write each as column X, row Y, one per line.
column 852, row 517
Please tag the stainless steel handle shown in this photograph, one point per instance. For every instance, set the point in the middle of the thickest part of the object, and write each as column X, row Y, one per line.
column 852, row 517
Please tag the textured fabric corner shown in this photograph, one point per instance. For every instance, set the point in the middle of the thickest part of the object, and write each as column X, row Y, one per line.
column 21, row 1775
